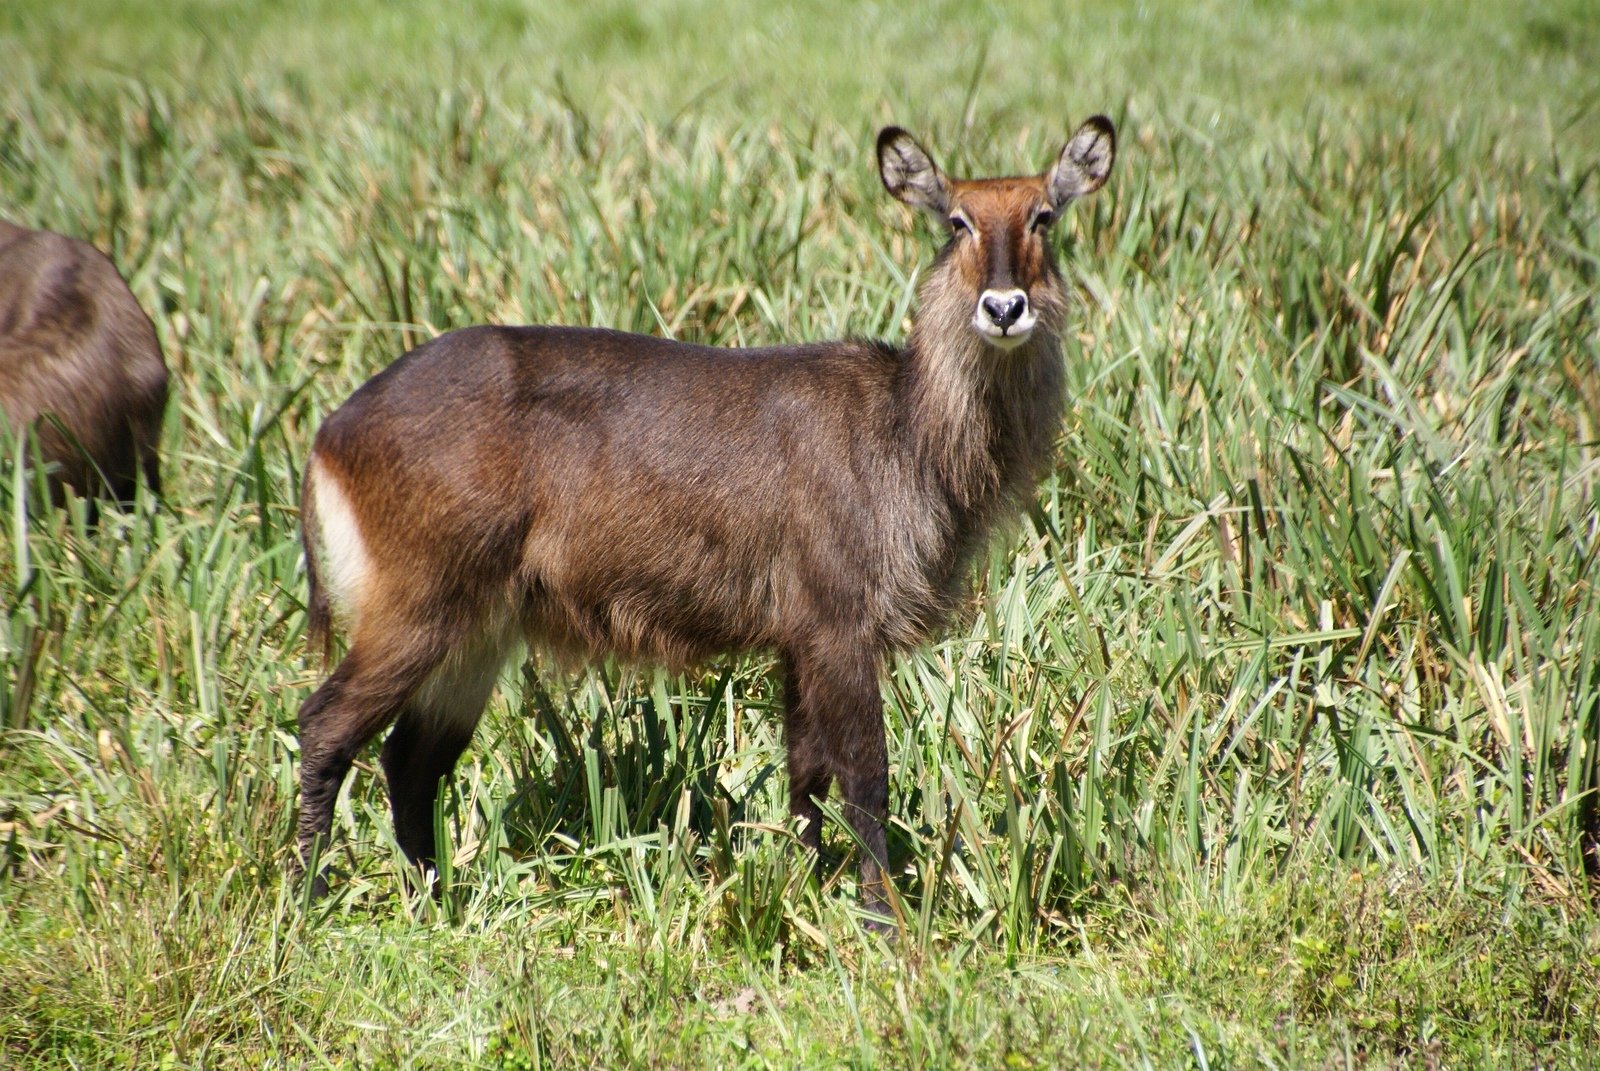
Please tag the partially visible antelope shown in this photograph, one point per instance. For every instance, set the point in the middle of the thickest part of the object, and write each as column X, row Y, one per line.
column 79, row 364
column 600, row 493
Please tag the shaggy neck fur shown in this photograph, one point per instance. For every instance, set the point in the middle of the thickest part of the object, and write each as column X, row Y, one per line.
column 985, row 419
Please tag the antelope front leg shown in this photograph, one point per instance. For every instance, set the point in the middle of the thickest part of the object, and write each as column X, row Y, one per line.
column 809, row 771
column 837, row 718
column 865, row 785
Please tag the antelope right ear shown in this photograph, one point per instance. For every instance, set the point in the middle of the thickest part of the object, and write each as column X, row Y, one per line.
column 910, row 174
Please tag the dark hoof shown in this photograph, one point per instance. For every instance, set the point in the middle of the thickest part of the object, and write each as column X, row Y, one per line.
column 317, row 887
column 425, row 878
column 879, row 921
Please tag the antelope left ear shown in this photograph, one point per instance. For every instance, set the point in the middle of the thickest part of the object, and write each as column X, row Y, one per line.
column 1084, row 164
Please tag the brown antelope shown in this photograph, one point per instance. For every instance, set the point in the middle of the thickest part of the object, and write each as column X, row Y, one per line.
column 601, row 493
column 79, row 364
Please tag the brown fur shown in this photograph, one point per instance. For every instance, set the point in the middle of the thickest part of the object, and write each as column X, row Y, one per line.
column 605, row 493
column 79, row 364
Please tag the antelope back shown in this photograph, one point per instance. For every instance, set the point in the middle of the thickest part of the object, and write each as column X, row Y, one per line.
column 997, row 268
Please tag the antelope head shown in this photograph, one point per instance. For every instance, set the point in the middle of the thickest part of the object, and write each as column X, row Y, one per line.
column 998, row 258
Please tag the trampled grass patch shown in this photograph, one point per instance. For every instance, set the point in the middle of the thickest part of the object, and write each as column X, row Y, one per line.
column 1272, row 740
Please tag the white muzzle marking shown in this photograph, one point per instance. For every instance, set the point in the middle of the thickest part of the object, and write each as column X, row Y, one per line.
column 1002, row 331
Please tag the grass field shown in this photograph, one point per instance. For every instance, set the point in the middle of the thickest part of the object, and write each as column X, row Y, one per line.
column 1273, row 737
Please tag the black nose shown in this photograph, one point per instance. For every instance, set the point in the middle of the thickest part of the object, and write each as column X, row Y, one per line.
column 1005, row 311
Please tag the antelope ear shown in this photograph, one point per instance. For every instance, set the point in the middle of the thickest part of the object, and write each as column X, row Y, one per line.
column 910, row 174
column 1084, row 164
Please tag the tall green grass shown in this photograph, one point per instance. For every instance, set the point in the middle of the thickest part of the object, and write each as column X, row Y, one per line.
column 1272, row 740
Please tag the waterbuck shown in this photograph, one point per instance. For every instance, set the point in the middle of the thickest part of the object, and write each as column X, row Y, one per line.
column 600, row 493
column 79, row 364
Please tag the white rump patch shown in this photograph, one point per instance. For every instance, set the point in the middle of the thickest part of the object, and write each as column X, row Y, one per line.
column 342, row 559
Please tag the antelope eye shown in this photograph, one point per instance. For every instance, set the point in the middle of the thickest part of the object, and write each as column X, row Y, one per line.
column 958, row 225
column 1043, row 218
